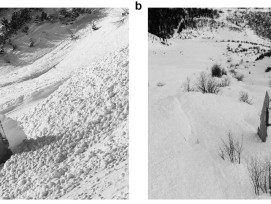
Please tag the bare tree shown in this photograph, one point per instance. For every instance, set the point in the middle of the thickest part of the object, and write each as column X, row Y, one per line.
column 239, row 149
column 221, row 153
column 207, row 84
column 187, row 85
column 230, row 148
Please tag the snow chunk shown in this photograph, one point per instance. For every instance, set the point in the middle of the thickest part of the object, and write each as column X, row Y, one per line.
column 13, row 131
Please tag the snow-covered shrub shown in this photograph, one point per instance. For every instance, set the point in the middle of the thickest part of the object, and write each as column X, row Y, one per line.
column 229, row 60
column 232, row 71
column 267, row 175
column 207, row 84
column 260, row 175
column 255, row 171
column 226, row 81
column 94, row 27
column 187, row 85
column 268, row 69
column 232, row 149
column 122, row 17
column 160, row 84
column 25, row 29
column 239, row 150
column 238, row 76
column 125, row 12
column 218, row 71
column 222, row 153
column 14, row 47
column 245, row 98
column 31, row 44
column 229, row 148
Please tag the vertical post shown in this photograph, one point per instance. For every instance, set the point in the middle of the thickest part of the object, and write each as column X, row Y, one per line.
column 5, row 152
column 262, row 130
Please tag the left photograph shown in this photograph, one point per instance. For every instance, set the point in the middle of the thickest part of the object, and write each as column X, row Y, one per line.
column 64, row 103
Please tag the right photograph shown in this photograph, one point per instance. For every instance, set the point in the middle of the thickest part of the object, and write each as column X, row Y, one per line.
column 209, row 93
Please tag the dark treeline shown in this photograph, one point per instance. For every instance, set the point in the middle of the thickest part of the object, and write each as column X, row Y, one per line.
column 163, row 21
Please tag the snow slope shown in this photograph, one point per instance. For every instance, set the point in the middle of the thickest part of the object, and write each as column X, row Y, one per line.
column 186, row 129
column 75, row 117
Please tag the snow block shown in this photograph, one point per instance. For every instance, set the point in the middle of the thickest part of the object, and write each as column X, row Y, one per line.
column 14, row 133
column 262, row 130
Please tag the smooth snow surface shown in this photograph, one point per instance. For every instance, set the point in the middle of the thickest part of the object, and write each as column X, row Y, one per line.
column 72, row 103
column 186, row 128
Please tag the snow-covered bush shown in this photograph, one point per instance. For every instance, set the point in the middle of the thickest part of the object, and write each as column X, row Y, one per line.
column 122, row 17
column 232, row 71
column 255, row 173
column 260, row 175
column 238, row 76
column 245, row 98
column 207, row 84
column 218, row 71
column 160, row 84
column 226, row 81
column 14, row 47
column 231, row 149
column 187, row 86
column 25, row 29
column 31, row 44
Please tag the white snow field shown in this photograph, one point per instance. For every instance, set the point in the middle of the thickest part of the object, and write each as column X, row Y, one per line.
column 186, row 129
column 71, row 97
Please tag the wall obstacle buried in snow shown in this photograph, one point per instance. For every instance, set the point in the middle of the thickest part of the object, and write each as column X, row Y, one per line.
column 5, row 152
column 262, row 130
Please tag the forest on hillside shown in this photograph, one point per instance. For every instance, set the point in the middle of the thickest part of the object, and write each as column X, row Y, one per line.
column 259, row 21
column 21, row 17
column 163, row 21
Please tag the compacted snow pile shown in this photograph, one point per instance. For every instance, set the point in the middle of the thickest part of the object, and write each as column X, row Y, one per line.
column 77, row 131
column 187, row 127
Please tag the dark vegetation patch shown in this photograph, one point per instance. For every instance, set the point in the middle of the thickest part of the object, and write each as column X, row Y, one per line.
column 163, row 21
column 266, row 54
column 21, row 17
column 218, row 71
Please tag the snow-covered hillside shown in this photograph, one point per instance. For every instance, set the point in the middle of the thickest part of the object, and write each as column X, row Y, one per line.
column 72, row 99
column 187, row 129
